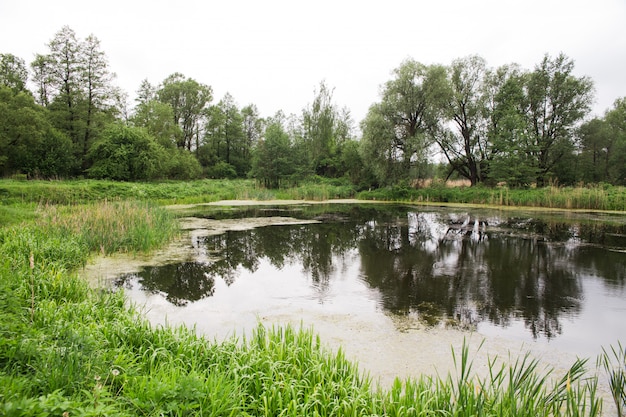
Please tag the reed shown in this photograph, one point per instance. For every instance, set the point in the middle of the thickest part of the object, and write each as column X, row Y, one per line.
column 518, row 388
column 588, row 197
column 613, row 361
column 106, row 227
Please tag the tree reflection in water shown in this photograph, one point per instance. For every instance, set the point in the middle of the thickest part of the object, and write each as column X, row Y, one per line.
column 443, row 266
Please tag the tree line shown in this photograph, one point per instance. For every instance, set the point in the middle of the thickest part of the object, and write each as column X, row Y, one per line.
column 62, row 116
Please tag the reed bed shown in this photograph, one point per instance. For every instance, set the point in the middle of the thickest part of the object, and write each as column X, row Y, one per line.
column 106, row 227
column 595, row 197
column 69, row 350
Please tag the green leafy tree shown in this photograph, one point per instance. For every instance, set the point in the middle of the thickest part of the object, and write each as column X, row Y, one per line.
column 253, row 126
column 13, row 72
column 557, row 102
column 396, row 130
column 158, row 119
column 353, row 166
column 97, row 89
column 189, row 101
column 226, row 138
column 272, row 163
column 180, row 164
column 325, row 127
column 64, row 68
column 29, row 144
column 318, row 121
column 616, row 148
column 596, row 148
column 74, row 84
column 126, row 153
column 510, row 148
column 43, row 78
column 379, row 147
column 465, row 145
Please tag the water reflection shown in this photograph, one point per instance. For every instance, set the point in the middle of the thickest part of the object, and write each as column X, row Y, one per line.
column 445, row 267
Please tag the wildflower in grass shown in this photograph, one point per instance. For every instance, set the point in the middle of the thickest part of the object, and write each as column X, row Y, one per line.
column 96, row 378
column 115, row 372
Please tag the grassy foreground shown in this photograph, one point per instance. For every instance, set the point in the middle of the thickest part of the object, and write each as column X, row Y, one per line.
column 68, row 350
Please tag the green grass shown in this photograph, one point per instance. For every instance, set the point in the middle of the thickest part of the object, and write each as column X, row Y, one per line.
column 68, row 349
column 171, row 192
column 596, row 197
column 29, row 193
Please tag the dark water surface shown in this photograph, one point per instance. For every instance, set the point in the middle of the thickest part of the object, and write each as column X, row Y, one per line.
column 556, row 278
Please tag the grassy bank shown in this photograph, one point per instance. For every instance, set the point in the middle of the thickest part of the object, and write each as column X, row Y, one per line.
column 29, row 193
column 69, row 350
column 595, row 197
column 182, row 192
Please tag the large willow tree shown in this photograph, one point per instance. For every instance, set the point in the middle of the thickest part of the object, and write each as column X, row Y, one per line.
column 395, row 131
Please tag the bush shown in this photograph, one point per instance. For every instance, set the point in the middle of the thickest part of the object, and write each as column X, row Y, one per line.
column 125, row 153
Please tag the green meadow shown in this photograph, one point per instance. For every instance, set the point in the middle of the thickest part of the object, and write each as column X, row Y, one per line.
column 67, row 349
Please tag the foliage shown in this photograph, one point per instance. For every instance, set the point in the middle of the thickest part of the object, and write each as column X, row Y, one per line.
column 325, row 129
column 28, row 143
column 158, row 120
column 225, row 140
column 188, row 100
column 557, row 101
column 603, row 143
column 74, row 84
column 13, row 72
column 125, row 154
column 271, row 162
column 493, row 126
column 394, row 130
column 180, row 164
column 465, row 146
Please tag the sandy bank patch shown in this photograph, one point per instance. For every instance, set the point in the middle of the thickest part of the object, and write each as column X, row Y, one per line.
column 239, row 203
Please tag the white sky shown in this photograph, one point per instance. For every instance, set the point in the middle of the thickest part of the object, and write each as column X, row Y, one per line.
column 274, row 53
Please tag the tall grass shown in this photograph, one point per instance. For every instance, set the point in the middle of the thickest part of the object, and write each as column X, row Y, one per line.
column 170, row 192
column 613, row 360
column 591, row 197
column 519, row 388
column 588, row 198
column 124, row 226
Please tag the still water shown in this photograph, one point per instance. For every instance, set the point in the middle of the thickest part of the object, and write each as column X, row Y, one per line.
column 551, row 279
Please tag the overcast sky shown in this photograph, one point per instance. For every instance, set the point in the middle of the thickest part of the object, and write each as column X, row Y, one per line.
column 275, row 53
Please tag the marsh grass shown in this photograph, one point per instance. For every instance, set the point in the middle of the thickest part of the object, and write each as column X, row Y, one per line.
column 170, row 192
column 593, row 197
column 589, row 197
column 613, row 361
column 519, row 387
column 122, row 226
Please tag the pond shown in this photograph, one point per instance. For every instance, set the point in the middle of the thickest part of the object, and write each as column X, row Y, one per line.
column 396, row 285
